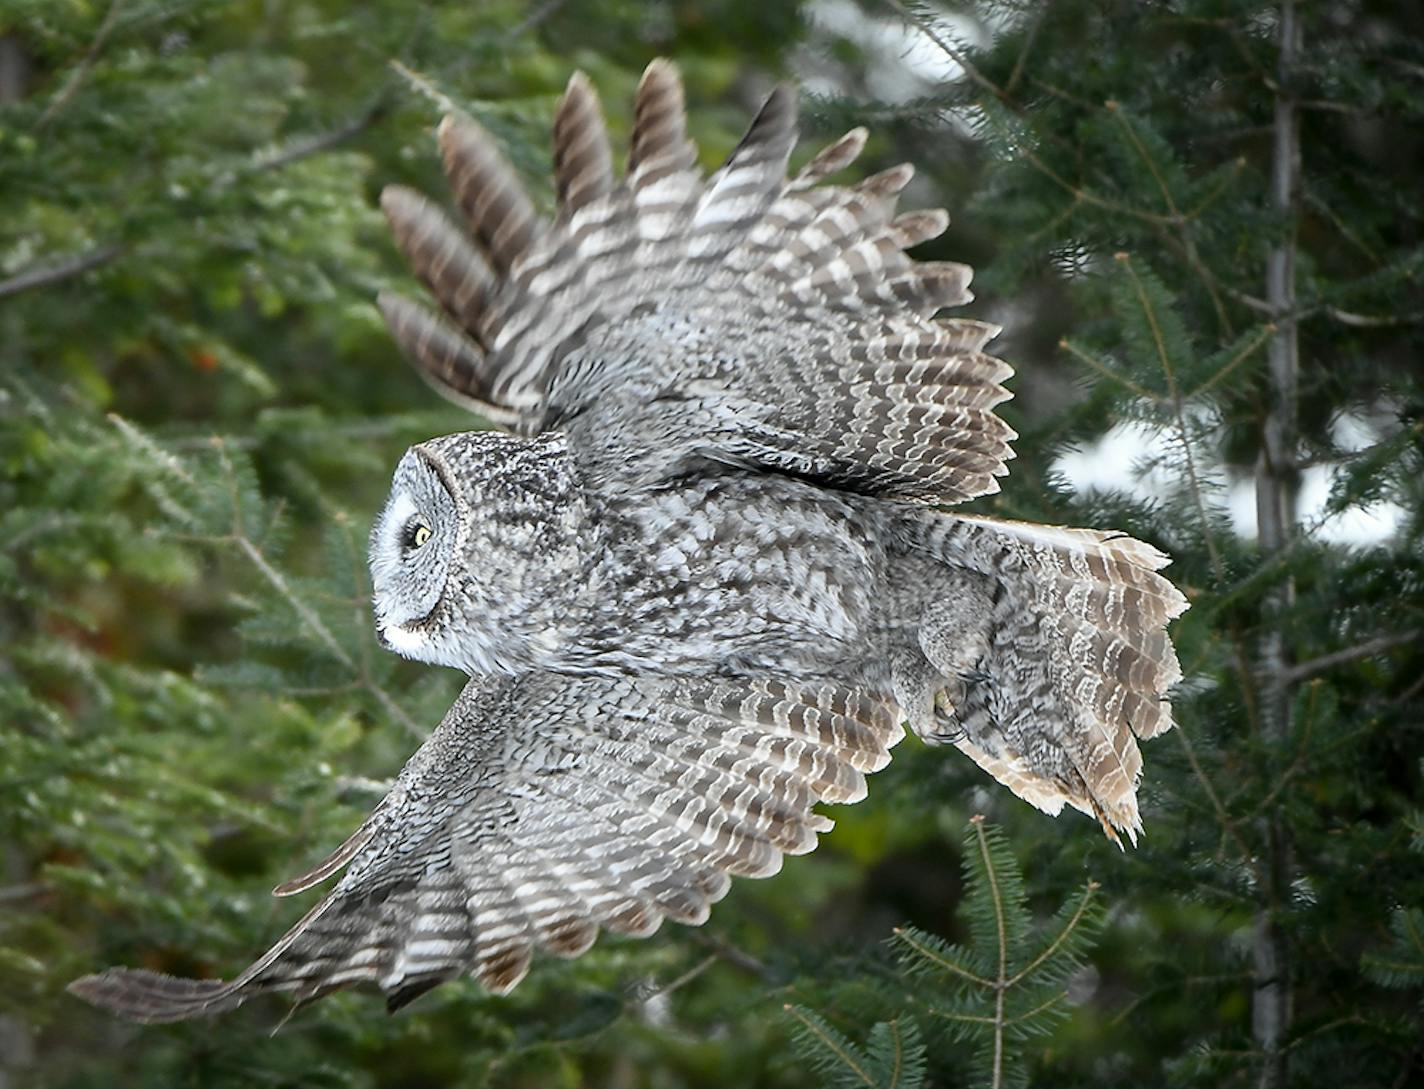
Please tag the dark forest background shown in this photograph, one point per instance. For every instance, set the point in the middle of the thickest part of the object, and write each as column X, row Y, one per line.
column 1199, row 223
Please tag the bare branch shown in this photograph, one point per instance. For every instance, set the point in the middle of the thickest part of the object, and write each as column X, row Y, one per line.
column 47, row 274
column 1372, row 321
column 86, row 64
column 315, row 145
column 1305, row 670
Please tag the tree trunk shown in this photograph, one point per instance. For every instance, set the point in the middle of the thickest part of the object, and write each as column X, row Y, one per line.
column 1276, row 521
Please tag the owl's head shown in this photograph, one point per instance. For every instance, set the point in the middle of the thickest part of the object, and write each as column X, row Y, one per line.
column 478, row 547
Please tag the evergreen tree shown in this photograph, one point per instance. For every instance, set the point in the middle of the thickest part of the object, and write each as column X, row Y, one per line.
column 1203, row 226
column 1006, row 987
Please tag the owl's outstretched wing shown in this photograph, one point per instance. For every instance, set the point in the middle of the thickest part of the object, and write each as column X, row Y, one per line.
column 541, row 810
column 747, row 317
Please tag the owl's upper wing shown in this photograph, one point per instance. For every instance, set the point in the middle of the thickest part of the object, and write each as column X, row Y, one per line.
column 747, row 317
column 541, row 809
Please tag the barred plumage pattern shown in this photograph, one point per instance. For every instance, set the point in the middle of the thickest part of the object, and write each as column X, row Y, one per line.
column 1079, row 622
column 790, row 329
column 543, row 809
column 714, row 354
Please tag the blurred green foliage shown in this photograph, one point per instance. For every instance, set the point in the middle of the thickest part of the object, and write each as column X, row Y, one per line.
column 200, row 408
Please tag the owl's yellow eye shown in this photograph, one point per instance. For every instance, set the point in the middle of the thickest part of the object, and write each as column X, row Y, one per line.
column 415, row 534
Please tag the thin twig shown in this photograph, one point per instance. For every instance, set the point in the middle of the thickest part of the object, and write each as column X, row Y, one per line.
column 86, row 64
column 956, row 55
column 738, row 958
column 540, row 13
column 682, row 980
column 1179, row 408
column 1228, row 826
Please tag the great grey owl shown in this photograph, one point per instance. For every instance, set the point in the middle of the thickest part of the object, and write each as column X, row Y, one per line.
column 705, row 581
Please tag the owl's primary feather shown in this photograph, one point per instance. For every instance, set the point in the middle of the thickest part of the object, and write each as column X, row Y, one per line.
column 542, row 809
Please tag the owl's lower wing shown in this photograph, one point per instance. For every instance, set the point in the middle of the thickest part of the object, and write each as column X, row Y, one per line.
column 541, row 810
column 747, row 317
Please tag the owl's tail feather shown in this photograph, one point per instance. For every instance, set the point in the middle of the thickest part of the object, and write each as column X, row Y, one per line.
column 1075, row 660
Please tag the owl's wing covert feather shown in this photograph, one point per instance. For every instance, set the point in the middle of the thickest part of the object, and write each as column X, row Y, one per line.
column 541, row 810
column 747, row 317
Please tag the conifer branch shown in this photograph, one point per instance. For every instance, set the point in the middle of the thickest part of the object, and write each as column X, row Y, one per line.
column 1223, row 816
column 1107, row 372
column 423, row 86
column 1021, row 61
column 43, row 275
column 957, row 55
column 1115, row 109
column 324, row 141
column 80, row 74
column 1001, row 982
column 1262, row 335
column 831, row 1044
column 938, row 961
column 1179, row 409
column 1051, row 949
column 1302, row 671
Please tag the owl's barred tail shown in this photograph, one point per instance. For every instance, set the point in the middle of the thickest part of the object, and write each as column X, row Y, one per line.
column 1076, row 661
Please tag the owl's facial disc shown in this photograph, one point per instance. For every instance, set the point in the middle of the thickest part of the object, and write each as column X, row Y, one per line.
column 411, row 545
column 480, row 551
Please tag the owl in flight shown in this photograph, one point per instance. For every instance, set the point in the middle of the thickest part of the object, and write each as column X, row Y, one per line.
column 705, row 576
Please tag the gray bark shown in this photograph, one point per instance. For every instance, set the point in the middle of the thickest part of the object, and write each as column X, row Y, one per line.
column 1277, row 475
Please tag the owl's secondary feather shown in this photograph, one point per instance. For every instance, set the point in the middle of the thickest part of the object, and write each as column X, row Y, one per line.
column 544, row 809
column 764, row 321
